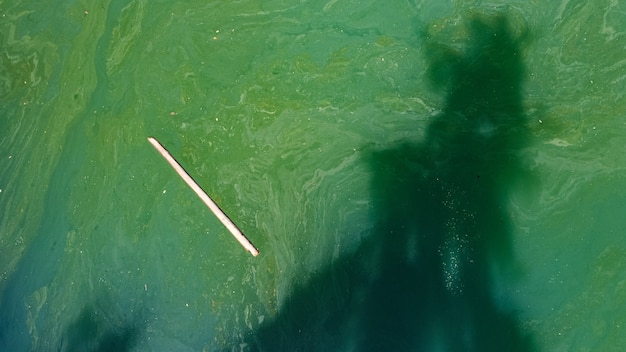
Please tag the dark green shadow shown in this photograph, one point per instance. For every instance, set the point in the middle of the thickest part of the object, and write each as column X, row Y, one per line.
column 102, row 328
column 423, row 280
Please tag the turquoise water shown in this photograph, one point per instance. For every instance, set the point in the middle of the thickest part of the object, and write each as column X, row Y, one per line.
column 417, row 175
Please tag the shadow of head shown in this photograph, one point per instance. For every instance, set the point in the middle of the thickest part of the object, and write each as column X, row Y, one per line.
column 481, row 71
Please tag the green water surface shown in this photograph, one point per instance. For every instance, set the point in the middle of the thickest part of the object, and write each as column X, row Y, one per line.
column 417, row 175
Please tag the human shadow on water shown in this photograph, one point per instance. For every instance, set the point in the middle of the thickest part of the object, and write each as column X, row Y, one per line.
column 423, row 280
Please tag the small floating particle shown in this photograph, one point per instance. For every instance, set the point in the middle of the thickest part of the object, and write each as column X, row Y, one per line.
column 172, row 113
column 214, row 37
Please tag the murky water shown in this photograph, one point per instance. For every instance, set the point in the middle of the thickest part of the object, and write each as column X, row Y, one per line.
column 417, row 175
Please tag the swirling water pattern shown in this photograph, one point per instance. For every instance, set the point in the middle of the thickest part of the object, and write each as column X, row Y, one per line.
column 275, row 107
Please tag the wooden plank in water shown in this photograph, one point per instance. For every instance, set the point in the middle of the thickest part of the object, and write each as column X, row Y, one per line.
column 228, row 223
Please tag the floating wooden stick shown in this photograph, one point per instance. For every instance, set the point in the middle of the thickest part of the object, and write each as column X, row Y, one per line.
column 205, row 198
